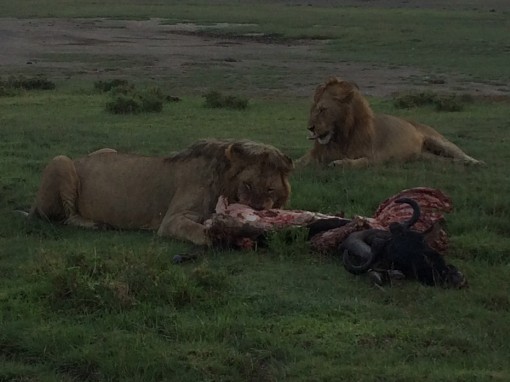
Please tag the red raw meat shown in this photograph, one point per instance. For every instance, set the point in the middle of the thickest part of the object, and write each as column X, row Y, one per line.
column 268, row 219
column 239, row 225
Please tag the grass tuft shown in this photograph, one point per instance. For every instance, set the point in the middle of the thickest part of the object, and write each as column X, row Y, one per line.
column 85, row 283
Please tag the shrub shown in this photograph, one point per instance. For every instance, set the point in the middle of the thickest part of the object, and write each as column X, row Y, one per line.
column 28, row 83
column 449, row 103
column 123, row 104
column 410, row 100
column 133, row 101
column 106, row 86
column 6, row 91
column 441, row 102
column 152, row 99
column 215, row 99
column 150, row 103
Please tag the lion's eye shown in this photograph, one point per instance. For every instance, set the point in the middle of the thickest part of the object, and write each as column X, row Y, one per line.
column 270, row 190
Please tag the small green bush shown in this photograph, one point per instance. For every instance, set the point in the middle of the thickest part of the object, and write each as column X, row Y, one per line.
column 152, row 99
column 123, row 104
column 411, row 100
column 150, row 103
column 27, row 83
column 440, row 102
column 449, row 103
column 6, row 91
column 106, row 86
column 132, row 101
column 215, row 99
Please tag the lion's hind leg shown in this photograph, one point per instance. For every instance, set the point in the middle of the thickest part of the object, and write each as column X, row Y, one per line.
column 57, row 194
column 444, row 148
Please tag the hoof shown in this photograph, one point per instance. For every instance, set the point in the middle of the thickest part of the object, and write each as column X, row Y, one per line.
column 396, row 275
column 376, row 277
column 177, row 259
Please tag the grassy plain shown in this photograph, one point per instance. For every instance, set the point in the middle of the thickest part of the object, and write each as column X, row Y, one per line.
column 110, row 306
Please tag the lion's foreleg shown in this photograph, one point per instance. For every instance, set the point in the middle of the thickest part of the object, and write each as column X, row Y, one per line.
column 105, row 150
column 304, row 161
column 79, row 221
column 355, row 163
column 445, row 148
column 184, row 226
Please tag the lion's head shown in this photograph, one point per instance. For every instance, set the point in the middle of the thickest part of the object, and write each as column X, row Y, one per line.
column 336, row 105
column 243, row 171
column 257, row 175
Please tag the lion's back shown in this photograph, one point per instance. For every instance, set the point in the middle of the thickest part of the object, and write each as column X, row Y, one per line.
column 395, row 138
column 125, row 191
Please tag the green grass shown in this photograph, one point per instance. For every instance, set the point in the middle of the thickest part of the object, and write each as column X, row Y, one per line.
column 77, row 305
column 81, row 305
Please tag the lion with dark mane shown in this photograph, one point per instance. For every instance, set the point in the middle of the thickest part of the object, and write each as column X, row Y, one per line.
column 347, row 132
column 172, row 195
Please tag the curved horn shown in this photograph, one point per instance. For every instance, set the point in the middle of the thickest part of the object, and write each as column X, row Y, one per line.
column 354, row 245
column 416, row 211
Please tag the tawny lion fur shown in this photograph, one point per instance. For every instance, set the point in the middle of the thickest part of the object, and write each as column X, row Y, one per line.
column 347, row 132
column 172, row 195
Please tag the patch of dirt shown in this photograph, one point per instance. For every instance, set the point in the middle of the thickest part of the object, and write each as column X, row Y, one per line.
column 457, row 5
column 93, row 49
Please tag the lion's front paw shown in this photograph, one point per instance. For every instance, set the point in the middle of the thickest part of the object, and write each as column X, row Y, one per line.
column 475, row 162
column 354, row 163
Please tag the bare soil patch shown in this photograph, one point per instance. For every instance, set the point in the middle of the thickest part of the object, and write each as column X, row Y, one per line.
column 95, row 49
column 491, row 5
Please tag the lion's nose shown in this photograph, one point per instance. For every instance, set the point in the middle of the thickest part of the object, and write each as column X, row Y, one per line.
column 311, row 128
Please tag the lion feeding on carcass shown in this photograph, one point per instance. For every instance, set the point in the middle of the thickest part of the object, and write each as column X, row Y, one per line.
column 347, row 133
column 173, row 195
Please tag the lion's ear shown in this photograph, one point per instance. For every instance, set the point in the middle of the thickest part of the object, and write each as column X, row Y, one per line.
column 276, row 159
column 319, row 91
column 287, row 164
column 232, row 150
column 239, row 152
column 345, row 92
column 355, row 85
